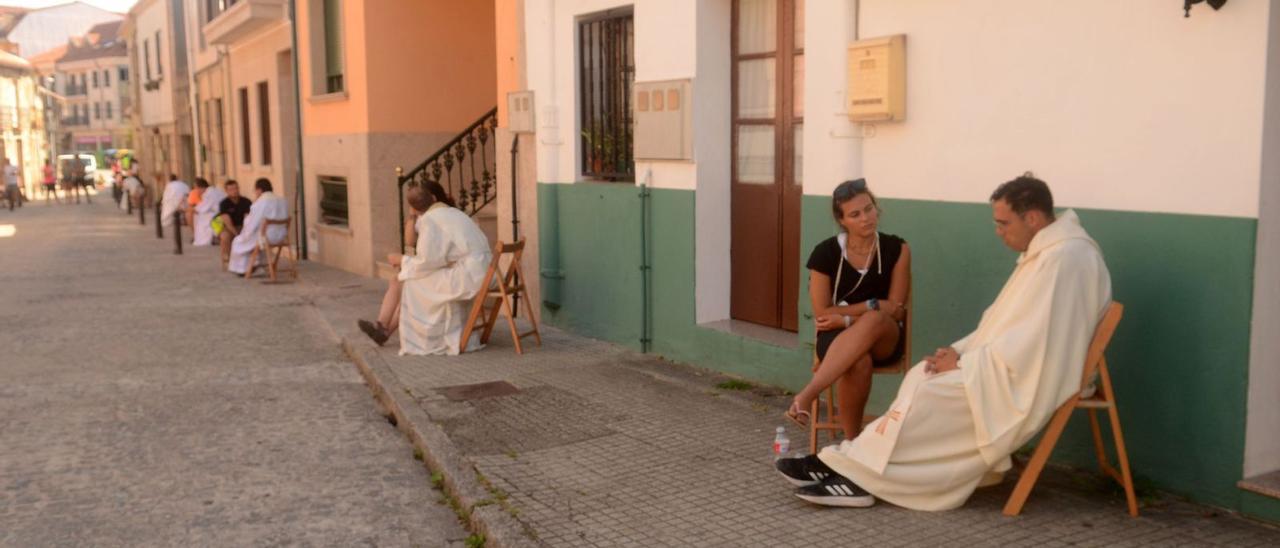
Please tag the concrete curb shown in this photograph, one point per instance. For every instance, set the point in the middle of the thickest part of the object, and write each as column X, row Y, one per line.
column 485, row 515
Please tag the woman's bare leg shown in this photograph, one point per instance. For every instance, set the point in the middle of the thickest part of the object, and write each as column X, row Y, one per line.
column 852, row 392
column 874, row 330
column 389, row 314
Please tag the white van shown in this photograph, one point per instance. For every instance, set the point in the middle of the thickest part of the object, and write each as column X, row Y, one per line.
column 90, row 166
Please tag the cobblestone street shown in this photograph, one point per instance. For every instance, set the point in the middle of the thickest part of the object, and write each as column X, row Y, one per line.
column 149, row 399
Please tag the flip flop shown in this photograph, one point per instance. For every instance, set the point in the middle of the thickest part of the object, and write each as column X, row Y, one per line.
column 794, row 413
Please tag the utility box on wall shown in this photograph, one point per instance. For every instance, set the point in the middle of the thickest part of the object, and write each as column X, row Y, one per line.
column 520, row 112
column 877, row 89
column 663, row 120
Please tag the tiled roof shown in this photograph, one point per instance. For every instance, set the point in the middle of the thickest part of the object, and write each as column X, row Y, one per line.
column 103, row 40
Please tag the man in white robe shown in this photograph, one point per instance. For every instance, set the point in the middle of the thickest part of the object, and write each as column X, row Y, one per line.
column 206, row 210
column 962, row 412
column 266, row 205
column 430, row 299
column 173, row 199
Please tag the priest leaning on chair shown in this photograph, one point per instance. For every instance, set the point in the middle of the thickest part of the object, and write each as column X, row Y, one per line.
column 961, row 412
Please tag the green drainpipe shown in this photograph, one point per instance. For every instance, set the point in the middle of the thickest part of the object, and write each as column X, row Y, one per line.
column 549, row 245
column 646, row 271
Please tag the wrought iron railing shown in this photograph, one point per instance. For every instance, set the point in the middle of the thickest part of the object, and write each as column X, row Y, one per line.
column 466, row 167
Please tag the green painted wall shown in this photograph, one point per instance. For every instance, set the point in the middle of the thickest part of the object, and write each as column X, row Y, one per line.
column 1179, row 358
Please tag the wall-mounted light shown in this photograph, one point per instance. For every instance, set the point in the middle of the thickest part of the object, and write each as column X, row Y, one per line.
column 1215, row 4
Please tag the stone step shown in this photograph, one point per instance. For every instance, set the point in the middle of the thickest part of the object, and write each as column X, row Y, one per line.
column 1267, row 485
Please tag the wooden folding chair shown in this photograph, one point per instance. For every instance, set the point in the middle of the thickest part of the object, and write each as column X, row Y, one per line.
column 273, row 251
column 831, row 423
column 505, row 288
column 1103, row 398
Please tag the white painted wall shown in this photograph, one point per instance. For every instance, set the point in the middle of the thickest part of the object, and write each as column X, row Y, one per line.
column 156, row 106
column 832, row 144
column 711, row 130
column 1118, row 105
column 1262, row 425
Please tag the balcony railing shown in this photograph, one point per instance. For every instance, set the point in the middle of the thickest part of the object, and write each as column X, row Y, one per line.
column 242, row 18
column 75, row 121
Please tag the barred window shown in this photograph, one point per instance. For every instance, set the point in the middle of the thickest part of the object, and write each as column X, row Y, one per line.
column 333, row 200
column 606, row 72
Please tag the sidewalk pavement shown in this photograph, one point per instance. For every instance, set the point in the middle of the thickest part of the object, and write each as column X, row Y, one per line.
column 585, row 443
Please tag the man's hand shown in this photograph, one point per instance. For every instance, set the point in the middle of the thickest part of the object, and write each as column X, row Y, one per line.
column 395, row 259
column 829, row 322
column 945, row 359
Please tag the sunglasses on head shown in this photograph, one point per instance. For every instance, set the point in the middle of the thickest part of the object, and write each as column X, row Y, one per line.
column 849, row 188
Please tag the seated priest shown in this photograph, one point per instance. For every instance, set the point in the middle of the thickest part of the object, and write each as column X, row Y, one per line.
column 960, row 413
column 266, row 206
column 430, row 299
column 174, row 200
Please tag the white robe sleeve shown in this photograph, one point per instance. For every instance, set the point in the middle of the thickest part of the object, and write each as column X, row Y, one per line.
column 432, row 250
column 1002, row 377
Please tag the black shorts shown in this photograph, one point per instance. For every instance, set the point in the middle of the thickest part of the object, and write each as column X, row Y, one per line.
column 825, row 338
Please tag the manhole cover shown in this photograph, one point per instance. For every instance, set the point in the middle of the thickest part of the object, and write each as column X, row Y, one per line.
column 465, row 392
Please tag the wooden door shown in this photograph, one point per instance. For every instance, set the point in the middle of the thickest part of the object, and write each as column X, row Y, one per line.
column 768, row 117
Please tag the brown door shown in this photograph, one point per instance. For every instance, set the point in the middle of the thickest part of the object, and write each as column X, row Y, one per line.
column 768, row 116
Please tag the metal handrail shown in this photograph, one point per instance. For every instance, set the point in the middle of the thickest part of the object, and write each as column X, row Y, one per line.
column 464, row 147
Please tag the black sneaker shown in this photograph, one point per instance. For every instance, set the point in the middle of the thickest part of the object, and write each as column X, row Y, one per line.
column 374, row 331
column 837, row 491
column 803, row 471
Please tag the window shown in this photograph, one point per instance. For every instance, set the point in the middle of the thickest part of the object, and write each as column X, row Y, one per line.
column 214, row 8
column 146, row 58
column 106, row 78
column 97, row 111
column 606, row 71
column 333, row 46
column 109, row 115
column 220, row 147
column 95, row 79
column 325, row 40
column 159, row 50
column 333, row 200
column 246, row 147
column 264, row 122
column 124, row 74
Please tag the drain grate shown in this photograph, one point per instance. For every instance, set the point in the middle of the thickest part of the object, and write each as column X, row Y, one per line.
column 467, row 392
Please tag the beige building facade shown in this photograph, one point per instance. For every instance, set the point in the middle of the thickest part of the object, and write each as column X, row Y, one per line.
column 165, row 143
column 385, row 85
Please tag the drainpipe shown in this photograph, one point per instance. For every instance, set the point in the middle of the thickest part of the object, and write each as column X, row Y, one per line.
column 515, row 213
column 646, row 269
column 297, row 118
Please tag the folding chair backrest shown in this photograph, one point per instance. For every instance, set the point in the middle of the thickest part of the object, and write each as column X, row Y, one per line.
column 1101, row 337
column 287, row 221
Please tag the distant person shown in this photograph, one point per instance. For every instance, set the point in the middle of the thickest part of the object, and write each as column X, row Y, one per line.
column 231, row 212
column 193, row 199
column 173, row 199
column 134, row 190
column 75, row 179
column 12, row 188
column 50, row 182
column 206, row 213
column 266, row 206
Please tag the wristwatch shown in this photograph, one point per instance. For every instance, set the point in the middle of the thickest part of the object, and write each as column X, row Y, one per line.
column 873, row 304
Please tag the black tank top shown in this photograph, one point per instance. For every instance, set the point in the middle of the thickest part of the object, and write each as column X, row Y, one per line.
column 827, row 258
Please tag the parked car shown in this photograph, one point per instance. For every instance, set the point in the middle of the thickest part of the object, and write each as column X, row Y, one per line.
column 90, row 166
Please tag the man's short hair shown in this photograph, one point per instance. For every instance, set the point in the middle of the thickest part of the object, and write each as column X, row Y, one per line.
column 262, row 184
column 173, row 177
column 201, row 183
column 1024, row 194
column 230, row 182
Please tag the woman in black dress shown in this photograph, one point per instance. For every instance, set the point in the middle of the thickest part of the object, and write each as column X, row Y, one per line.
column 858, row 283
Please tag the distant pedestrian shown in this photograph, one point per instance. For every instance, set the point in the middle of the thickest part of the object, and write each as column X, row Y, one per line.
column 12, row 192
column 173, row 200
column 50, row 183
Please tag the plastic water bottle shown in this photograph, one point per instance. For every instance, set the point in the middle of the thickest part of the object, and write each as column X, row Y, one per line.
column 781, row 444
